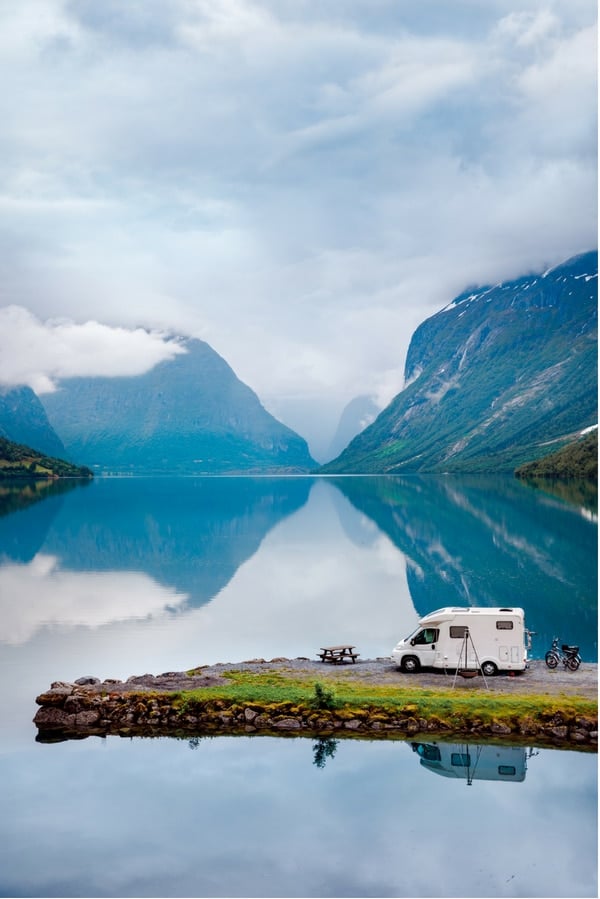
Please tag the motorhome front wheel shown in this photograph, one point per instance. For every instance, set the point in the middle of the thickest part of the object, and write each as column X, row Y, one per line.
column 410, row 663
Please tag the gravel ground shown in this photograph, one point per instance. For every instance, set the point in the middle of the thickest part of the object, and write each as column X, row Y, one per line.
column 537, row 679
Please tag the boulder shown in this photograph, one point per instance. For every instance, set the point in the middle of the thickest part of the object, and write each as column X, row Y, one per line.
column 287, row 724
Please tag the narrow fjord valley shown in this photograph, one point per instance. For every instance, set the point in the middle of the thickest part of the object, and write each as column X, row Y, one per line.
column 502, row 376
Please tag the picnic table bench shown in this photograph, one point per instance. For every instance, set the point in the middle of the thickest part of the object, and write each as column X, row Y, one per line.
column 338, row 654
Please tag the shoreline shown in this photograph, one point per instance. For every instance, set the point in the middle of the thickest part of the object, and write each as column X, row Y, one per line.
column 370, row 699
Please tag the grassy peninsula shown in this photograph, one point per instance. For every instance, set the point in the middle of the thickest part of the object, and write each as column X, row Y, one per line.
column 20, row 461
column 276, row 699
column 445, row 709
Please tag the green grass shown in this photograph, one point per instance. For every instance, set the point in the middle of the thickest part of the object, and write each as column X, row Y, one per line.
column 275, row 689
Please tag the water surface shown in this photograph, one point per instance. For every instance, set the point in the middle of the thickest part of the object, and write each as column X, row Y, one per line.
column 128, row 576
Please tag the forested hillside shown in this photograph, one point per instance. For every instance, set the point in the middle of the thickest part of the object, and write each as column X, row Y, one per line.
column 576, row 460
column 19, row 461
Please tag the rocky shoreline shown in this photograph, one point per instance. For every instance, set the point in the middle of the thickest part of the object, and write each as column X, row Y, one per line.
column 150, row 705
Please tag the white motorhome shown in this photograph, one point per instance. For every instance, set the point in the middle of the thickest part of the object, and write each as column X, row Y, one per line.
column 489, row 640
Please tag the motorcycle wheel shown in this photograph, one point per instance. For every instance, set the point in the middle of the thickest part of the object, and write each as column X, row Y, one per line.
column 551, row 659
column 573, row 664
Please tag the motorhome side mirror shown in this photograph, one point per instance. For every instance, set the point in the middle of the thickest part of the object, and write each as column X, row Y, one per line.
column 412, row 642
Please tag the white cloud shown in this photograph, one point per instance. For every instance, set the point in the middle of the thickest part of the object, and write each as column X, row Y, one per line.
column 528, row 28
column 38, row 353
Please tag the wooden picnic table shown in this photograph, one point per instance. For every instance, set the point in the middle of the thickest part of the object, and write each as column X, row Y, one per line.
column 338, row 654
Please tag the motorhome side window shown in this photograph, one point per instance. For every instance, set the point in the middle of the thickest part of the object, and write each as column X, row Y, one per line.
column 458, row 630
column 427, row 635
column 504, row 625
column 460, row 759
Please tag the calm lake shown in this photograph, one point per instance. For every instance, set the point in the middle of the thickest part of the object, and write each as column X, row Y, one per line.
column 129, row 576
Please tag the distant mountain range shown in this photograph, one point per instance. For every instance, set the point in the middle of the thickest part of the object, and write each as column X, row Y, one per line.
column 190, row 415
column 503, row 375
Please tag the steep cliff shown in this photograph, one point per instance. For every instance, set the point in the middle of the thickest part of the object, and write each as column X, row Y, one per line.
column 492, row 379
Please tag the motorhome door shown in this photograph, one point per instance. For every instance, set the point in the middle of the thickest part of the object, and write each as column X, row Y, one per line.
column 424, row 644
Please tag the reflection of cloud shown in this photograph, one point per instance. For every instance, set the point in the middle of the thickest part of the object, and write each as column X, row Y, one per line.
column 200, row 803
column 48, row 596
column 307, row 586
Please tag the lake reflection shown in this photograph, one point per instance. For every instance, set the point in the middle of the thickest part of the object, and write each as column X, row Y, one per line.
column 222, row 569
column 485, row 540
column 129, row 576
column 256, row 817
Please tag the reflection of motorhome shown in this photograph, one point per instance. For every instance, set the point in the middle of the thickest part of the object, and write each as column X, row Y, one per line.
column 490, row 639
column 473, row 761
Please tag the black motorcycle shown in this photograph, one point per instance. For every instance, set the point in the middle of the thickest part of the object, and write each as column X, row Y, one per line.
column 568, row 655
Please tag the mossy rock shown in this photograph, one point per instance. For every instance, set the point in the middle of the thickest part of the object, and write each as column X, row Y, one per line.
column 381, row 717
column 346, row 714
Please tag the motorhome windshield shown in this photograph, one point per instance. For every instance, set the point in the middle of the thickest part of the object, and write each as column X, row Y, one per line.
column 412, row 634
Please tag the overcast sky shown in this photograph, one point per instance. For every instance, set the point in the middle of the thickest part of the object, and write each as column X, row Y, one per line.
column 298, row 182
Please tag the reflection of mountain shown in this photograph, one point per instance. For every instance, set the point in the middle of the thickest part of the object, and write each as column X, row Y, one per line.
column 187, row 533
column 23, row 529
column 490, row 541
column 577, row 492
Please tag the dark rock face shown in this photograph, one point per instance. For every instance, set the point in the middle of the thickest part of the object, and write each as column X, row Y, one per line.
column 190, row 414
column 23, row 420
column 492, row 379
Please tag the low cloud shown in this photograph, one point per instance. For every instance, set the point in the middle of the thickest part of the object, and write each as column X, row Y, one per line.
column 40, row 353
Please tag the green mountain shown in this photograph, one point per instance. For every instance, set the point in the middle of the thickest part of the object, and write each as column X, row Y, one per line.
column 190, row 414
column 23, row 419
column 491, row 379
column 19, row 461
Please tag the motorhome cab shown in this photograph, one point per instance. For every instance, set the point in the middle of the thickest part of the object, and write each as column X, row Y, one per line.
column 489, row 640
